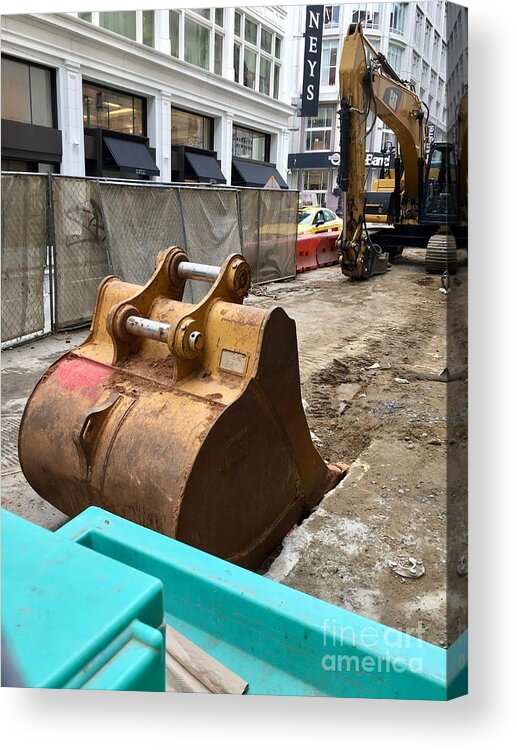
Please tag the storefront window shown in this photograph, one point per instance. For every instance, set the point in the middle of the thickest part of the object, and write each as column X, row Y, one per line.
column 250, row 144
column 27, row 93
column 113, row 110
column 197, row 44
column 191, row 129
column 318, row 130
column 316, row 181
column 122, row 22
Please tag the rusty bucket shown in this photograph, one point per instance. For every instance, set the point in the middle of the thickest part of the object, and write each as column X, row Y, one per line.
column 185, row 418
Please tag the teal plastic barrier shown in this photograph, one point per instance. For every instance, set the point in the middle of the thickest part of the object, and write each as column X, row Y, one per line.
column 281, row 641
column 72, row 618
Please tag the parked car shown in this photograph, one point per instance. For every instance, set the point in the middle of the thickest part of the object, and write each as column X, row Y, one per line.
column 315, row 219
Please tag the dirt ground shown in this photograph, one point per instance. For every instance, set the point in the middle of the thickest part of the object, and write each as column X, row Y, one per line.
column 383, row 374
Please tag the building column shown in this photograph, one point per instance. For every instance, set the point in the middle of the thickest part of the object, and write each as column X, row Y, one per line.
column 223, row 143
column 70, row 118
column 282, row 152
column 162, row 40
column 159, row 131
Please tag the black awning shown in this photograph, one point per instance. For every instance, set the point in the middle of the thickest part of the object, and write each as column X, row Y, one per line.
column 205, row 167
column 249, row 173
column 131, row 156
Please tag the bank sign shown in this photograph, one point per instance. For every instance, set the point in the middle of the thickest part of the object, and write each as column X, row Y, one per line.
column 312, row 57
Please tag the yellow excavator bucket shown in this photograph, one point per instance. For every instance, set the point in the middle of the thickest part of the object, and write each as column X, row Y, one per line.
column 185, row 418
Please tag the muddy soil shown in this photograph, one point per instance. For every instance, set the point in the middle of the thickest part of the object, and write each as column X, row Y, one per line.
column 390, row 394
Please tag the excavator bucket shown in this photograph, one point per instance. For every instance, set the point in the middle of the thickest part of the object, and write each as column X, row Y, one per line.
column 185, row 418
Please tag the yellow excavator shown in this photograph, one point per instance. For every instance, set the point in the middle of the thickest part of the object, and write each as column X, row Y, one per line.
column 424, row 203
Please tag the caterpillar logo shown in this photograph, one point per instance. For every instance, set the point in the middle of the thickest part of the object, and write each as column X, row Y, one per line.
column 392, row 98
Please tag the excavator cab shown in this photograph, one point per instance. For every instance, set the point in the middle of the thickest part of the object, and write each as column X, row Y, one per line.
column 440, row 190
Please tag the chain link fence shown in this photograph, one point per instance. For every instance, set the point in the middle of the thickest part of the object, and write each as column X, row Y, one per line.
column 140, row 221
column 96, row 227
column 80, row 249
column 24, row 254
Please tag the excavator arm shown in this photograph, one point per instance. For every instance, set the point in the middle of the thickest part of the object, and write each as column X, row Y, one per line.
column 369, row 86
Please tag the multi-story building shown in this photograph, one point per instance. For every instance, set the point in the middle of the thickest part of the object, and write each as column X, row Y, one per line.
column 182, row 95
column 413, row 38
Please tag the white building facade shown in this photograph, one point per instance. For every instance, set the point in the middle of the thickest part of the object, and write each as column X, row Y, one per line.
column 413, row 38
column 182, row 95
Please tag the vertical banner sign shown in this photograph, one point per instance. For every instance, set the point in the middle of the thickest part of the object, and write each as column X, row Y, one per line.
column 312, row 60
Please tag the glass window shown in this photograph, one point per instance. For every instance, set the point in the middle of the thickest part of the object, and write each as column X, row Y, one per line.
column 427, row 39
column 398, row 18
column 415, row 66
column 331, row 17
column 27, row 93
column 238, row 24
column 328, row 62
column 425, row 74
column 148, row 27
column 250, row 68
column 419, row 23
column 174, row 32
column 395, row 57
column 366, row 14
column 85, row 17
column 316, row 181
column 265, row 76
column 205, row 12
column 191, row 129
column 41, row 96
column 318, row 130
column 113, row 110
column 197, row 43
column 237, row 62
column 219, row 16
column 276, row 82
column 16, row 93
column 250, row 31
column 266, row 41
column 278, row 47
column 122, row 22
column 218, row 54
column 250, row 144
